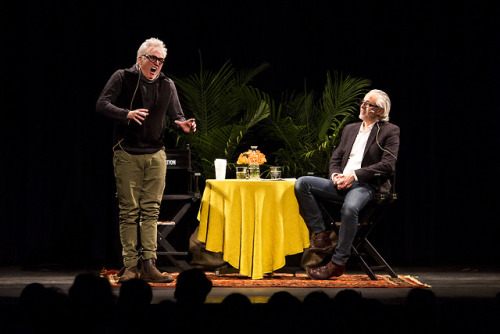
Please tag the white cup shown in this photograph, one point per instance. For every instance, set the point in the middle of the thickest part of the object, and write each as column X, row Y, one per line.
column 220, row 169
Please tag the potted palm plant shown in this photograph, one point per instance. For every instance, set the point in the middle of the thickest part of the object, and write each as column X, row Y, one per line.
column 225, row 107
column 307, row 128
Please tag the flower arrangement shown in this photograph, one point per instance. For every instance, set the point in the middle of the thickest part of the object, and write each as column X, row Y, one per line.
column 251, row 156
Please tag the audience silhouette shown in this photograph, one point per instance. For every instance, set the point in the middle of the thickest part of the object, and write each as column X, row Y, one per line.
column 90, row 307
column 92, row 303
column 238, row 313
column 42, row 310
column 133, row 306
column 192, row 287
column 422, row 311
column 283, row 313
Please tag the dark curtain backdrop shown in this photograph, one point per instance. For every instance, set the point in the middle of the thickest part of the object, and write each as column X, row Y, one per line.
column 439, row 62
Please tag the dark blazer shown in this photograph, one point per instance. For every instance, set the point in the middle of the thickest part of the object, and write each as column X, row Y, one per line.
column 376, row 159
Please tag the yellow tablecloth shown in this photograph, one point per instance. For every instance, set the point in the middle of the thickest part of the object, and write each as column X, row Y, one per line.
column 255, row 224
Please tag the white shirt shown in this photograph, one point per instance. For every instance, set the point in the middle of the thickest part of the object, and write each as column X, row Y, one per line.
column 358, row 150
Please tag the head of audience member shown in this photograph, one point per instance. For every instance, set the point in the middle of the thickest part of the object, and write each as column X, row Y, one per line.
column 91, row 297
column 192, row 287
column 135, row 293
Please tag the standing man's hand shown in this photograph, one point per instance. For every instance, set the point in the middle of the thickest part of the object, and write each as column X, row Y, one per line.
column 187, row 126
column 138, row 115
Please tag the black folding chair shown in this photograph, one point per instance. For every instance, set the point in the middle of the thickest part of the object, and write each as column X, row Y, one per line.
column 361, row 248
column 181, row 194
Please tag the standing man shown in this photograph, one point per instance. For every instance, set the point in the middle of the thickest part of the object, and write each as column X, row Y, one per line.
column 365, row 149
column 141, row 100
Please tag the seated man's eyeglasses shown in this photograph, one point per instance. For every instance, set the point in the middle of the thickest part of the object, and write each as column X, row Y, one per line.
column 368, row 104
column 154, row 59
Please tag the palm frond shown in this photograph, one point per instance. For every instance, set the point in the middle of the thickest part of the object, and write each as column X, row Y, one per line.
column 309, row 127
column 225, row 109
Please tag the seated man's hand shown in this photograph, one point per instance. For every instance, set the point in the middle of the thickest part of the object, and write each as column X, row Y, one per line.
column 343, row 181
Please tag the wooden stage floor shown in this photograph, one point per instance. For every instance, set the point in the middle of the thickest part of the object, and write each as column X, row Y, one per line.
column 467, row 283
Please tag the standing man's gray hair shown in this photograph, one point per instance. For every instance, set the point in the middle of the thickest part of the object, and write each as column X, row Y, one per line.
column 150, row 43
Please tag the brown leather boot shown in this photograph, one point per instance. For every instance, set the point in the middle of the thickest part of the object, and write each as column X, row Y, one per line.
column 128, row 274
column 149, row 273
column 320, row 242
column 327, row 271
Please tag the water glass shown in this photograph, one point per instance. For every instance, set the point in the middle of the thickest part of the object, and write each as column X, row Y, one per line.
column 275, row 172
column 241, row 173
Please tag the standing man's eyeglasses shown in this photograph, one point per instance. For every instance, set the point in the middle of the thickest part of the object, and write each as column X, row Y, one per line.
column 154, row 59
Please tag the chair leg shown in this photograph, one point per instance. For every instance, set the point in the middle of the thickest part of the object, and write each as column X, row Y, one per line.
column 181, row 264
column 378, row 258
column 364, row 266
column 181, row 212
column 169, row 250
column 361, row 234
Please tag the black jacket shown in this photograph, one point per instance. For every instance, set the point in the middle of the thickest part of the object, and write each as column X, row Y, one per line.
column 120, row 95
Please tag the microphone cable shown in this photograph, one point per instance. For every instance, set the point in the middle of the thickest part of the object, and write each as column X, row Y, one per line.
column 383, row 149
column 119, row 143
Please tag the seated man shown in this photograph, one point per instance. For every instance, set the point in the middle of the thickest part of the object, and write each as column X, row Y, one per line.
column 365, row 149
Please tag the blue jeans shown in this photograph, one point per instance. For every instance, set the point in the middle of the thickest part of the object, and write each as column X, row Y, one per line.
column 310, row 189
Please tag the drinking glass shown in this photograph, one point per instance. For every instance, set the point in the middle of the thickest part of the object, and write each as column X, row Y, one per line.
column 241, row 173
column 275, row 172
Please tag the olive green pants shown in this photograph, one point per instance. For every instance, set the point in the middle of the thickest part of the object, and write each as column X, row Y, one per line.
column 140, row 181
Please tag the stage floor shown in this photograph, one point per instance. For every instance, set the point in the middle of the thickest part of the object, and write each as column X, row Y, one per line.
column 468, row 283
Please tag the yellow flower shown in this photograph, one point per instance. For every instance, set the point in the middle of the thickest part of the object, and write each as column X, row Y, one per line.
column 251, row 157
